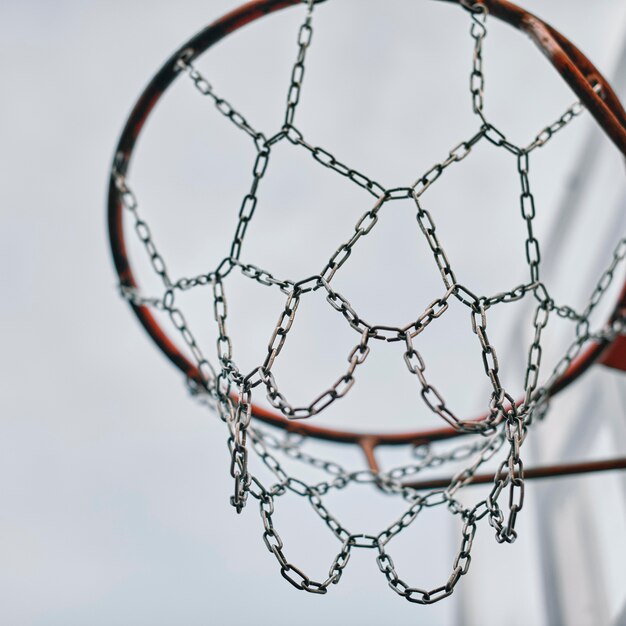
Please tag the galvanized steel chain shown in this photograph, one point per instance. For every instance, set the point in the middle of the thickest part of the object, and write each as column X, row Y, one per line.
column 478, row 32
column 227, row 390
column 305, row 35
column 185, row 64
column 389, row 482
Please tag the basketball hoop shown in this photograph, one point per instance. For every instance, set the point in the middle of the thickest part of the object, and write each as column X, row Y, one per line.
column 230, row 392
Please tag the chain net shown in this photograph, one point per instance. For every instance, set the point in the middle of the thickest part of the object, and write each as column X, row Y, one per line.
column 229, row 392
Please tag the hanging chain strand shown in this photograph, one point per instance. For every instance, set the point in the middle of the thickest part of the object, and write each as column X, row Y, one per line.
column 206, row 89
column 305, row 34
column 478, row 32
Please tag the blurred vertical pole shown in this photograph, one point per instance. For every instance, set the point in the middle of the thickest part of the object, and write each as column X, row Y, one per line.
column 598, row 401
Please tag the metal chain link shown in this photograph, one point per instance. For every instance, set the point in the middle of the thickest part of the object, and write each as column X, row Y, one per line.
column 249, row 202
column 478, row 33
column 237, row 418
column 290, row 572
column 142, row 230
column 184, row 64
column 305, row 34
column 329, row 161
column 548, row 132
column 457, row 154
column 527, row 201
column 339, row 389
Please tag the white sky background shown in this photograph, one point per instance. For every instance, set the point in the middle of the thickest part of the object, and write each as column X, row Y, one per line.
column 115, row 485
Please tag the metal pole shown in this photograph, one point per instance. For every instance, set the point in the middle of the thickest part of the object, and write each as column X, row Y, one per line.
column 550, row 471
